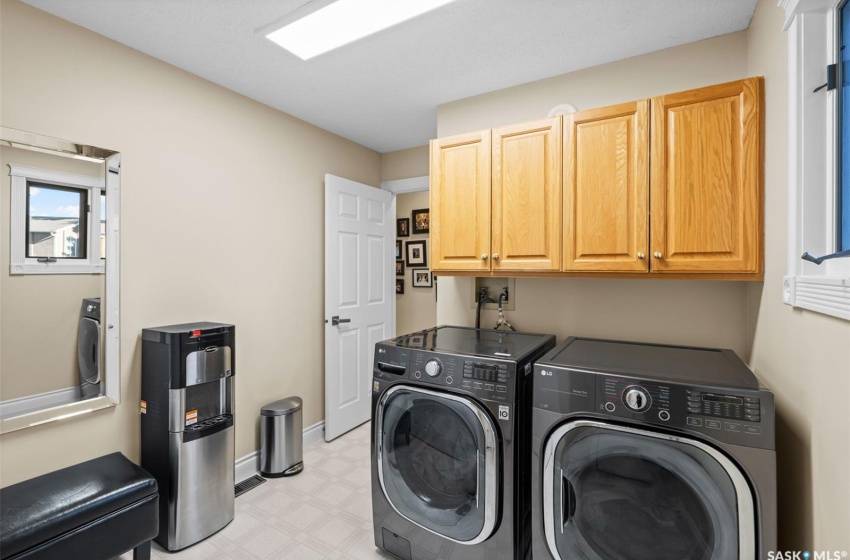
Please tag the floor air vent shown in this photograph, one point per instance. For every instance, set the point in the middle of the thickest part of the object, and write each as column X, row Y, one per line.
column 249, row 483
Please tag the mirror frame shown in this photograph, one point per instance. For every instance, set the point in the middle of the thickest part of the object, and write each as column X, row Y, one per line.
column 111, row 316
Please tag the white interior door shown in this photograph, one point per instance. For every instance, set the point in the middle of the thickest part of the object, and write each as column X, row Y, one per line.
column 359, row 296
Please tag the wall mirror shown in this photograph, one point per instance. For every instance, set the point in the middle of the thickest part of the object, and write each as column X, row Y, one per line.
column 59, row 255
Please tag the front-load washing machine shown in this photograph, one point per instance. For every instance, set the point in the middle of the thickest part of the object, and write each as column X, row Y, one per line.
column 451, row 443
column 651, row 452
column 88, row 348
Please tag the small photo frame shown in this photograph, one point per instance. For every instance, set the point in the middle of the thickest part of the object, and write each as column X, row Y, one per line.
column 398, row 254
column 421, row 220
column 399, row 286
column 421, row 278
column 402, row 227
column 399, row 268
column 416, row 253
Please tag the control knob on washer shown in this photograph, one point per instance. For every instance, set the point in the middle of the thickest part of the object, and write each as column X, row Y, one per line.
column 637, row 399
column 433, row 368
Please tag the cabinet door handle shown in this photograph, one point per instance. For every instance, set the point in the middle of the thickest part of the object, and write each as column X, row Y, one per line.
column 656, row 254
column 641, row 256
column 495, row 256
column 484, row 256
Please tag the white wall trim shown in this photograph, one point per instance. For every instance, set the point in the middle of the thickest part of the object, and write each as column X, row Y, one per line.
column 249, row 465
column 400, row 186
column 812, row 157
column 30, row 403
column 795, row 7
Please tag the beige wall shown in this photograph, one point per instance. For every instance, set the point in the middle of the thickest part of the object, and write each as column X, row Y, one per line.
column 222, row 213
column 38, row 326
column 683, row 312
column 803, row 356
column 403, row 164
column 416, row 309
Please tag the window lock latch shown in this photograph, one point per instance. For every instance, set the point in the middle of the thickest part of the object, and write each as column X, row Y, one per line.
column 830, row 79
column 46, row 259
column 817, row 260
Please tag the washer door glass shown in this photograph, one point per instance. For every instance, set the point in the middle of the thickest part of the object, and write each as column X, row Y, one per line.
column 617, row 493
column 437, row 462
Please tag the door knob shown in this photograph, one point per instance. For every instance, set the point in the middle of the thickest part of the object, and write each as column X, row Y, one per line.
column 656, row 254
column 641, row 256
column 335, row 320
column 484, row 256
column 495, row 256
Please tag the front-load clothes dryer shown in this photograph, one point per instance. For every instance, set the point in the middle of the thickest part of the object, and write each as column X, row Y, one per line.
column 88, row 348
column 451, row 443
column 651, row 452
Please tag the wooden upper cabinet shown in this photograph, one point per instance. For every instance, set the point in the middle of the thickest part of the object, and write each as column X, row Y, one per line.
column 460, row 202
column 526, row 196
column 706, row 180
column 606, row 188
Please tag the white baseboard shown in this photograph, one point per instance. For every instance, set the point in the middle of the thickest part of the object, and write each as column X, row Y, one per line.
column 249, row 465
column 24, row 405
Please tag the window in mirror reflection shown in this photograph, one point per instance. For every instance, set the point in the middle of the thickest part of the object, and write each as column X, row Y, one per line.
column 62, row 225
column 56, row 224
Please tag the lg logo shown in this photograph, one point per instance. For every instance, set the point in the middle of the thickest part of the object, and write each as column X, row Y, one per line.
column 545, row 373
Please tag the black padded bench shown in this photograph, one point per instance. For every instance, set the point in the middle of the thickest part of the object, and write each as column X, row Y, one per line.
column 99, row 509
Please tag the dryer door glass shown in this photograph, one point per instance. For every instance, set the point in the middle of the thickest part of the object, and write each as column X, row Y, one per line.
column 618, row 493
column 437, row 462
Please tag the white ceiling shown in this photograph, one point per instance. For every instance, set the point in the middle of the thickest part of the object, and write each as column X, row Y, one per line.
column 383, row 91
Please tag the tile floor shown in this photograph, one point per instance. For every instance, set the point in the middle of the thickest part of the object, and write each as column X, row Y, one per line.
column 323, row 513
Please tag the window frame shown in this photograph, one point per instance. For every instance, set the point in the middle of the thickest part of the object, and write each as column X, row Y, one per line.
column 19, row 263
column 813, row 161
column 82, row 217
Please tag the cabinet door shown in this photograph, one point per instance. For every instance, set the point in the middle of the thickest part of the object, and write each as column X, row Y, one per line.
column 606, row 186
column 527, row 196
column 460, row 202
column 706, row 179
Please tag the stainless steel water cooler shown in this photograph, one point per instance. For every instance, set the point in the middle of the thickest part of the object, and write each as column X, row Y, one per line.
column 188, row 428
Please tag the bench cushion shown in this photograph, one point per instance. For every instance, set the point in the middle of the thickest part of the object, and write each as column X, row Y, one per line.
column 43, row 508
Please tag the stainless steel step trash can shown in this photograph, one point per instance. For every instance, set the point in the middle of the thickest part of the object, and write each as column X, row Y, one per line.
column 281, row 438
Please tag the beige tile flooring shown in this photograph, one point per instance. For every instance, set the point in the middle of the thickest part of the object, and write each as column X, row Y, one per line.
column 323, row 513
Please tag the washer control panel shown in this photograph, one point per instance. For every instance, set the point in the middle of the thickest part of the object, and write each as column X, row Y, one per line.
column 488, row 379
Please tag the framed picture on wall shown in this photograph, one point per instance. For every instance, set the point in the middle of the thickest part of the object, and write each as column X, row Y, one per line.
column 402, row 227
column 421, row 220
column 399, row 286
column 421, row 278
column 398, row 243
column 399, row 268
column 416, row 253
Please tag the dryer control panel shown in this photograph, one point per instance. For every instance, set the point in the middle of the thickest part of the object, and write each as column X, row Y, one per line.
column 740, row 416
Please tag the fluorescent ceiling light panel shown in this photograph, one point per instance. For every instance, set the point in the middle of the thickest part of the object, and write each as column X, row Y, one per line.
column 346, row 21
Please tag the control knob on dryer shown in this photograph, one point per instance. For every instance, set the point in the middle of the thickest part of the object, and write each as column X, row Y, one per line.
column 637, row 398
column 433, row 367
